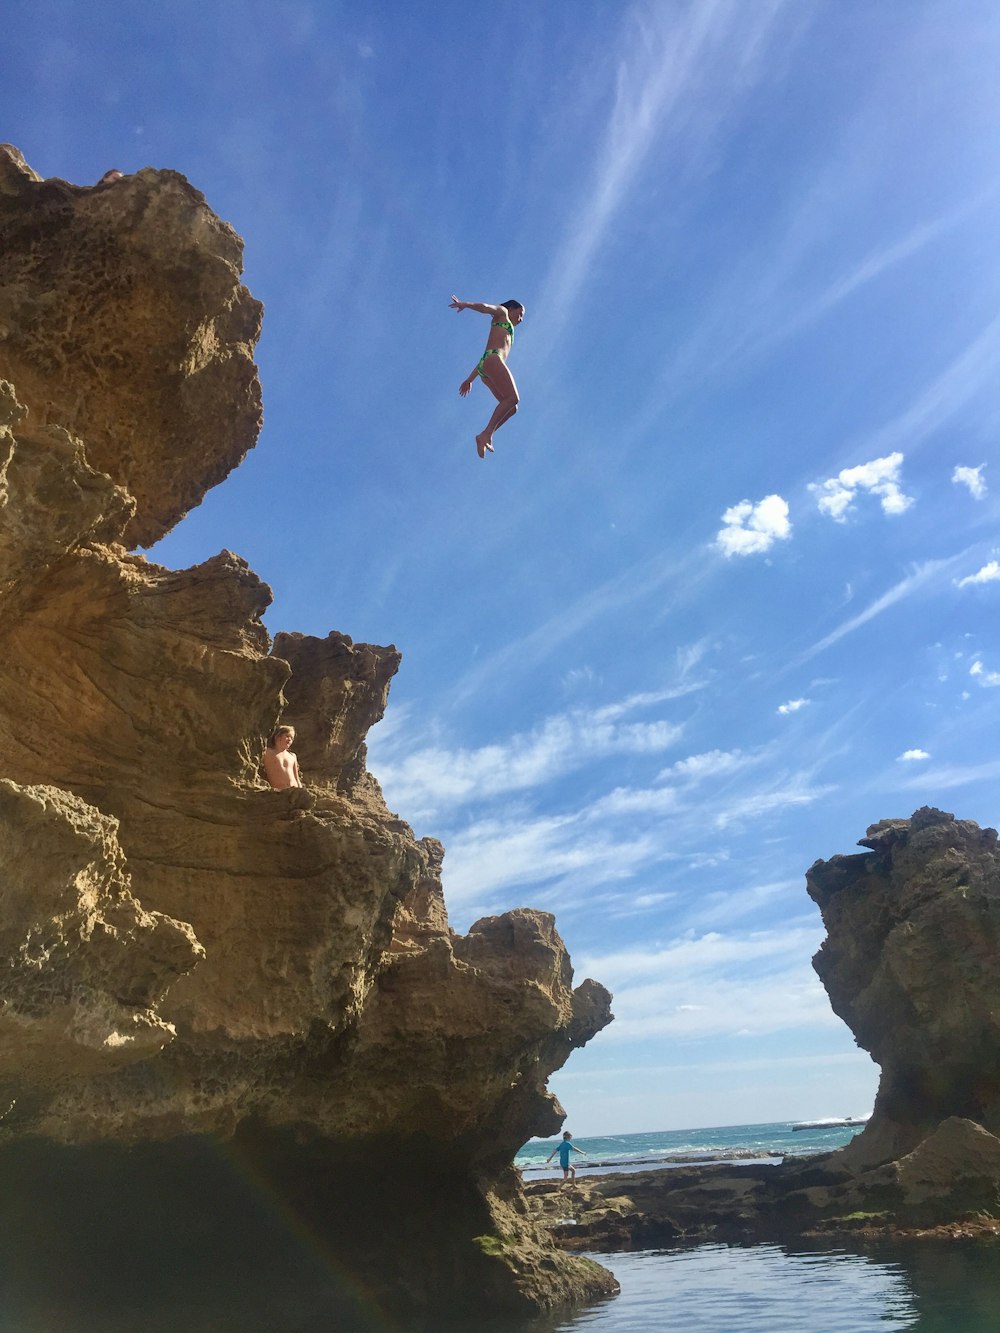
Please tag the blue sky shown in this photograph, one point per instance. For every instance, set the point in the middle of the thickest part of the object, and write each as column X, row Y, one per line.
column 727, row 592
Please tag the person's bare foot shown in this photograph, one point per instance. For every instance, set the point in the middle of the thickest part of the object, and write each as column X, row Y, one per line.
column 483, row 445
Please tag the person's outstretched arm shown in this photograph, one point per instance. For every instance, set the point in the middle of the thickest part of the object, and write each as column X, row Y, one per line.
column 493, row 310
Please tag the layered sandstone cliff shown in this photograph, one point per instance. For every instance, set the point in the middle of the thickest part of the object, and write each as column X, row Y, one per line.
column 208, row 981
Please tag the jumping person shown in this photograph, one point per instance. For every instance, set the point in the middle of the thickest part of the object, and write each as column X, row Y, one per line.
column 492, row 365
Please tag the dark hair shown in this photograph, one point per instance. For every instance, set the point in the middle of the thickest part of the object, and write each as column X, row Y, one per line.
column 508, row 304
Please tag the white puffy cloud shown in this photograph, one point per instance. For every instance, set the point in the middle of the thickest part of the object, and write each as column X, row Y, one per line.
column 990, row 573
column 908, row 756
column 984, row 677
column 792, row 706
column 749, row 529
column 971, row 477
column 879, row 477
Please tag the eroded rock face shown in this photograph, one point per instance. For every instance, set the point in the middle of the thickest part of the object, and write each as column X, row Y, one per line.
column 123, row 321
column 85, row 968
column 910, row 965
column 337, row 692
column 194, row 959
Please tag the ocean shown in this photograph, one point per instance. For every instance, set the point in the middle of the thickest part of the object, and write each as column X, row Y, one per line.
column 918, row 1286
column 678, row 1147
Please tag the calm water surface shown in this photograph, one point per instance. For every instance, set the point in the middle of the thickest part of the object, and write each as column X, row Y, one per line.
column 940, row 1287
column 927, row 1288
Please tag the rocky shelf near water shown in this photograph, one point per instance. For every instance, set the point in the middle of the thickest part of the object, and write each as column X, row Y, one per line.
column 950, row 1181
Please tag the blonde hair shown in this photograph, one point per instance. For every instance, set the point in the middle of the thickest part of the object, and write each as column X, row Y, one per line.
column 280, row 731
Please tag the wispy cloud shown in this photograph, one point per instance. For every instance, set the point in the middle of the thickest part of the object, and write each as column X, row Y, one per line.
column 906, row 587
column 969, row 372
column 709, row 765
column 655, row 837
column 774, row 294
column 644, row 579
column 798, row 792
column 880, row 477
column 872, row 265
column 678, row 70
column 715, row 984
column 724, row 908
column 431, row 779
column 578, row 678
column 952, row 775
column 972, row 477
column 634, row 801
column 990, row 573
column 750, row 529
column 488, row 859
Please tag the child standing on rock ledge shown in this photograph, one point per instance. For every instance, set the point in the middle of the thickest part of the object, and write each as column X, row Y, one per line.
column 564, row 1149
column 280, row 765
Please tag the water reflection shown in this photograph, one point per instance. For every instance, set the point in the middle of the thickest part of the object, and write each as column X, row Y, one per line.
column 939, row 1287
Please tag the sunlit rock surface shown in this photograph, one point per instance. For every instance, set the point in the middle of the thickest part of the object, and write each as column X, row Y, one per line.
column 911, row 963
column 123, row 321
column 210, row 983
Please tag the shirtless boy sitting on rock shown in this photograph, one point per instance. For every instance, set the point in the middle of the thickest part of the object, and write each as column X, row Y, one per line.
column 280, row 765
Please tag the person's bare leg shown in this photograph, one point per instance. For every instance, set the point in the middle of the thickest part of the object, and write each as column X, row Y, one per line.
column 506, row 417
column 503, row 411
column 482, row 444
column 501, row 384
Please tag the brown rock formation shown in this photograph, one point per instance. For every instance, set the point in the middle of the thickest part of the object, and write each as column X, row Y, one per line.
column 122, row 321
column 910, row 964
column 86, row 966
column 202, row 971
